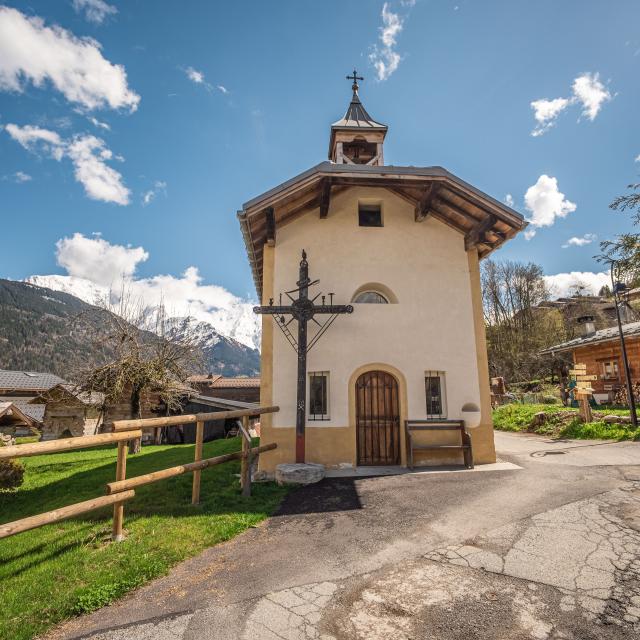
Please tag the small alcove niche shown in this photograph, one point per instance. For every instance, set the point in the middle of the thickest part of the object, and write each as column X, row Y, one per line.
column 374, row 293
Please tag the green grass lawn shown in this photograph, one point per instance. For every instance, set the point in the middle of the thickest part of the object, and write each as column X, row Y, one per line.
column 71, row 567
column 518, row 417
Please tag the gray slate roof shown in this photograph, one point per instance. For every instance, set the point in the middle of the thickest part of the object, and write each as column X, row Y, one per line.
column 604, row 335
column 28, row 380
column 35, row 411
column 357, row 116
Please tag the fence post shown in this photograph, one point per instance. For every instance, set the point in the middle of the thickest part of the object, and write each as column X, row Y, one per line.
column 245, row 468
column 118, row 507
column 195, row 492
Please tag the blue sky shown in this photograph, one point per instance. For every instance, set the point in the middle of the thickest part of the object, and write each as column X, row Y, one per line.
column 222, row 101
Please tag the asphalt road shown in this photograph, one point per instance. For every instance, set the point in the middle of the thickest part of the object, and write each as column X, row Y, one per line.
column 550, row 549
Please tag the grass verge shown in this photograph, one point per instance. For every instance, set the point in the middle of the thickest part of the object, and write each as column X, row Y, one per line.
column 560, row 423
column 71, row 567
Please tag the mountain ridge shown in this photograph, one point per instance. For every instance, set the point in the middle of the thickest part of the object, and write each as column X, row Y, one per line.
column 44, row 329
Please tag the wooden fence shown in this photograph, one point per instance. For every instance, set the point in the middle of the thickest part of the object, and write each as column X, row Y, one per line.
column 122, row 489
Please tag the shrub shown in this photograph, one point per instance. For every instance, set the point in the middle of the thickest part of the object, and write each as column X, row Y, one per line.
column 549, row 400
column 11, row 472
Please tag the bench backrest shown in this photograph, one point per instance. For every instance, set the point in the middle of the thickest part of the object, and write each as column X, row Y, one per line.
column 434, row 425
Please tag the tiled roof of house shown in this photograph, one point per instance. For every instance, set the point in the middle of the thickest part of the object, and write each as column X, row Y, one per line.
column 604, row 335
column 28, row 380
column 34, row 411
column 20, row 410
column 226, row 383
column 216, row 381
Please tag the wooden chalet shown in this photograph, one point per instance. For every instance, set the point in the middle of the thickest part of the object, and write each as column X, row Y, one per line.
column 601, row 352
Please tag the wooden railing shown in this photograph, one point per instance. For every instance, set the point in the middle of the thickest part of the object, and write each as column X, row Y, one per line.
column 122, row 489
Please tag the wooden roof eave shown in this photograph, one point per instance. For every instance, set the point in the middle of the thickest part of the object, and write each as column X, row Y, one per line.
column 457, row 204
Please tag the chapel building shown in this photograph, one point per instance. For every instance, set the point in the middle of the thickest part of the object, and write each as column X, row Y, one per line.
column 402, row 245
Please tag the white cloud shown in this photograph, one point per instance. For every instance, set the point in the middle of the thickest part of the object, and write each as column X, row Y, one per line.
column 100, row 181
column 159, row 186
column 88, row 155
column 94, row 10
column 580, row 241
column 637, row 158
column 529, row 233
column 385, row 58
column 588, row 89
column 198, row 77
column 21, row 176
column 96, row 123
column 546, row 202
column 564, row 284
column 96, row 268
column 97, row 260
column 194, row 75
column 546, row 112
column 508, row 200
column 35, row 138
column 33, row 52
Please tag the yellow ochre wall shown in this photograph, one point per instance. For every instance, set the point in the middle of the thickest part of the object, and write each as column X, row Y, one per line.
column 436, row 325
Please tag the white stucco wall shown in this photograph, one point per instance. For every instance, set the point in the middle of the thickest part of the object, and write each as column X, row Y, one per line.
column 431, row 327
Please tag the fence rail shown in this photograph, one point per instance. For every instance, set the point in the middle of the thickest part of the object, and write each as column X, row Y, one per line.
column 121, row 490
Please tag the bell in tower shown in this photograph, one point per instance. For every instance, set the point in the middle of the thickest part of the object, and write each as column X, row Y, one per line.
column 357, row 138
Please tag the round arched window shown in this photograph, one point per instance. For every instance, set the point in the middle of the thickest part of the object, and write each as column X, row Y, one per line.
column 370, row 297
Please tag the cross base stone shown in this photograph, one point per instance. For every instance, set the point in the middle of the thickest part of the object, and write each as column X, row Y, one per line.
column 299, row 473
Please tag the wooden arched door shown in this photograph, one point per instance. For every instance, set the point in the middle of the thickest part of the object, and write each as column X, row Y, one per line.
column 377, row 419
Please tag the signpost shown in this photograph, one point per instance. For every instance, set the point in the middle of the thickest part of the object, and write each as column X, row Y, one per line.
column 584, row 390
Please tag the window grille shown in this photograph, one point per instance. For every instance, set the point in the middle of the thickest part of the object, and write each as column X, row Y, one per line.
column 435, row 394
column 371, row 297
column 319, row 395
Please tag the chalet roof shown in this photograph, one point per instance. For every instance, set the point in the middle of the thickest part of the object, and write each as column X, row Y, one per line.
column 232, row 383
column 223, row 403
column 604, row 335
column 220, row 382
column 34, row 411
column 484, row 222
column 15, row 411
column 28, row 380
column 357, row 117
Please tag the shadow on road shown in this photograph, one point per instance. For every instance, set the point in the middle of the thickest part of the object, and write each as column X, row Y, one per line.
column 331, row 494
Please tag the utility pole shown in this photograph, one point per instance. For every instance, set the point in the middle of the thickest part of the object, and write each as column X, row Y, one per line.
column 616, row 288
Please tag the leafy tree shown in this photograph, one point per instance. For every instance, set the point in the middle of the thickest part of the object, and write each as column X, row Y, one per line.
column 623, row 253
column 605, row 291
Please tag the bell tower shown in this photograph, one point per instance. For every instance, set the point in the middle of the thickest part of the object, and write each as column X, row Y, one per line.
column 357, row 138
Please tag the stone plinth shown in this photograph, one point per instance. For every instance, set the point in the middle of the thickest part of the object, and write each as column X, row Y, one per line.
column 299, row 473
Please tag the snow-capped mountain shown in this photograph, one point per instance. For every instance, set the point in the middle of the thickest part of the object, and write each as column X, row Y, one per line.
column 50, row 329
column 236, row 321
column 221, row 354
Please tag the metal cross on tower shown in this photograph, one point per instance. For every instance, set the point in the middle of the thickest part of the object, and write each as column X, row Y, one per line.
column 355, row 77
column 302, row 309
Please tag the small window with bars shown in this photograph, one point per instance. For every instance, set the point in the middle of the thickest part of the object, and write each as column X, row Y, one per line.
column 319, row 395
column 435, row 394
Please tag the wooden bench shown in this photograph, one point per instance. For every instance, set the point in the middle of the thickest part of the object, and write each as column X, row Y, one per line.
column 439, row 425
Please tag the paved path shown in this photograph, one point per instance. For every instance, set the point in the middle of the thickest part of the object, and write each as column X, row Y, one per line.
column 550, row 549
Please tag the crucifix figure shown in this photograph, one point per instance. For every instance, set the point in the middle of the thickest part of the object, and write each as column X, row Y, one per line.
column 303, row 309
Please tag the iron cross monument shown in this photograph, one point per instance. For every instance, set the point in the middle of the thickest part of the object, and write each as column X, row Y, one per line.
column 303, row 309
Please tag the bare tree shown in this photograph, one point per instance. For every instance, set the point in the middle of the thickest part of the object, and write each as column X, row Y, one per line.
column 140, row 356
column 518, row 328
